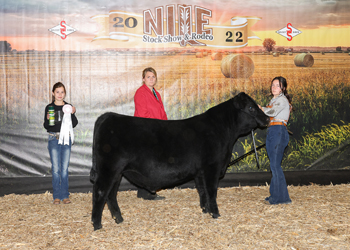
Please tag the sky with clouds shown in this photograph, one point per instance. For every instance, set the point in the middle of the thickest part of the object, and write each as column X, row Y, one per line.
column 33, row 18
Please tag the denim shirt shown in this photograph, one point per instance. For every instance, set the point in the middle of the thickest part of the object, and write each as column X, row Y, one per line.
column 278, row 108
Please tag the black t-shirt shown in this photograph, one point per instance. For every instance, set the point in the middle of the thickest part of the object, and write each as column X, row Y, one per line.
column 57, row 126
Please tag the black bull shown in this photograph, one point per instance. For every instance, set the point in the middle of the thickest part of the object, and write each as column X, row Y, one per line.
column 156, row 154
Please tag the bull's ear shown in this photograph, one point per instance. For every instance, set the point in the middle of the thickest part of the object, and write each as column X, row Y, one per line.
column 238, row 101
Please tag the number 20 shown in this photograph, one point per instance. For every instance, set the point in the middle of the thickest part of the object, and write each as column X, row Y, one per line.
column 229, row 37
column 120, row 23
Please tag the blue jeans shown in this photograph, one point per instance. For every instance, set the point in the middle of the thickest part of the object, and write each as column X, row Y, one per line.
column 60, row 155
column 276, row 141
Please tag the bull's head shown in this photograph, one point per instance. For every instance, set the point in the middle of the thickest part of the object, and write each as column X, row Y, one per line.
column 250, row 110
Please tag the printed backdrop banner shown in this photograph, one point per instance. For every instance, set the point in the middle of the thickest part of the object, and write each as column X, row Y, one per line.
column 123, row 26
column 204, row 52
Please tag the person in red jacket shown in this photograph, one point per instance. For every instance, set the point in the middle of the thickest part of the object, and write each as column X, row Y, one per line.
column 148, row 104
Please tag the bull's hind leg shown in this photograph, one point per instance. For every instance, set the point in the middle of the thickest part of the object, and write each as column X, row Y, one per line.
column 112, row 202
column 98, row 203
column 101, row 190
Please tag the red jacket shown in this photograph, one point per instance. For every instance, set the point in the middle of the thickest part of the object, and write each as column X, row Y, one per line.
column 147, row 105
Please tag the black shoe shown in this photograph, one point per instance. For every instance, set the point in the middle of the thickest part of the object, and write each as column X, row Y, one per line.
column 158, row 198
column 146, row 195
column 154, row 198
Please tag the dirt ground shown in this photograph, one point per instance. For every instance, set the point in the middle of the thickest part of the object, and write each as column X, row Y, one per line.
column 318, row 218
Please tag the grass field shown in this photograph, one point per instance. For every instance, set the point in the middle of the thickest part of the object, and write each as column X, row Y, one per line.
column 107, row 81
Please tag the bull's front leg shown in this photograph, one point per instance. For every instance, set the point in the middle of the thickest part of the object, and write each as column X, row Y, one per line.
column 213, row 206
column 200, row 186
column 211, row 180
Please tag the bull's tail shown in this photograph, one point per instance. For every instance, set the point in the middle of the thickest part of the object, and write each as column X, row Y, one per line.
column 93, row 171
column 93, row 175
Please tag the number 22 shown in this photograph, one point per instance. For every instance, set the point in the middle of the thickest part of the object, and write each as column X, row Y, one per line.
column 229, row 37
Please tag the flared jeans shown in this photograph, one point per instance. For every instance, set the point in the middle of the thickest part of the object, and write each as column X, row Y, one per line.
column 276, row 141
column 60, row 155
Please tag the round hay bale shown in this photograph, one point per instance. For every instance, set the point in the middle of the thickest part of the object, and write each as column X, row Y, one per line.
column 290, row 53
column 216, row 56
column 237, row 66
column 199, row 55
column 276, row 54
column 304, row 60
column 323, row 53
column 205, row 53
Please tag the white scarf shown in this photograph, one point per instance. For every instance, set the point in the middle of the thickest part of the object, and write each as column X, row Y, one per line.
column 66, row 126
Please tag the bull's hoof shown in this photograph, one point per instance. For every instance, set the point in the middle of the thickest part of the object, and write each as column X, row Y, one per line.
column 97, row 227
column 205, row 210
column 119, row 220
column 215, row 216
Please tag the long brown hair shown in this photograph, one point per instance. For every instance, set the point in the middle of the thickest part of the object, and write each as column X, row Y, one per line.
column 57, row 85
column 283, row 85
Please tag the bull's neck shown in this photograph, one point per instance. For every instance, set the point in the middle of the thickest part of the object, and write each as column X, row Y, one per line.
column 223, row 116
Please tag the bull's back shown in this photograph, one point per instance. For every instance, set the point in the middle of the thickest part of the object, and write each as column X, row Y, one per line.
column 142, row 132
column 166, row 143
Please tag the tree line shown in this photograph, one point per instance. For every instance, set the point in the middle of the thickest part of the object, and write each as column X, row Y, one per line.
column 269, row 45
column 5, row 46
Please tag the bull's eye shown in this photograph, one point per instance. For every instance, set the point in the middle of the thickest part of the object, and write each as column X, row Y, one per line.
column 251, row 109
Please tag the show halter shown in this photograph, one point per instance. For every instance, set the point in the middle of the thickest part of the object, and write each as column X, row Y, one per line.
column 66, row 127
column 249, row 153
column 255, row 150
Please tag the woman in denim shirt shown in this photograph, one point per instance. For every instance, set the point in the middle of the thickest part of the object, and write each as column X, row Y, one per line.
column 277, row 139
